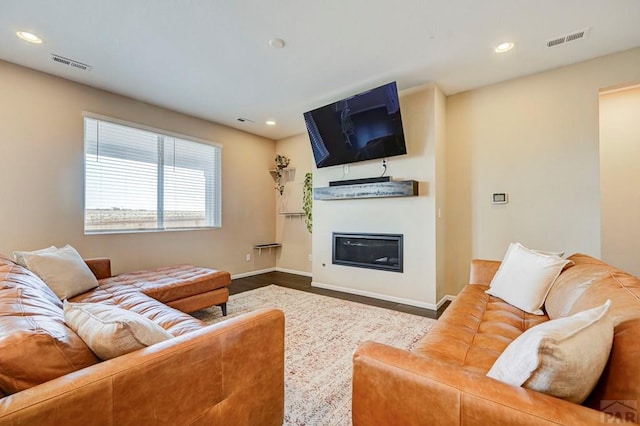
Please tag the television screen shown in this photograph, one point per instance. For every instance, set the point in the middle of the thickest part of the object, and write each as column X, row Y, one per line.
column 363, row 127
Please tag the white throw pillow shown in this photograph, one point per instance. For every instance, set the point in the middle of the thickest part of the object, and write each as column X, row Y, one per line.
column 63, row 270
column 564, row 357
column 550, row 253
column 18, row 256
column 525, row 278
column 111, row 331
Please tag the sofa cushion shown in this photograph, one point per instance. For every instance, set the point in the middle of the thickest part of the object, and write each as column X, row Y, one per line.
column 32, row 328
column 14, row 275
column 130, row 298
column 619, row 381
column 572, row 282
column 622, row 288
column 63, row 270
column 592, row 284
column 475, row 329
column 525, row 277
column 563, row 357
column 110, row 331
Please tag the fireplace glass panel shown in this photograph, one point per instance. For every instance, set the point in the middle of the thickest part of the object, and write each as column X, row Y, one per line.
column 375, row 251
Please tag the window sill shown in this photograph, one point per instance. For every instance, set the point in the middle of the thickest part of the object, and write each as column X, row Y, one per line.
column 145, row 231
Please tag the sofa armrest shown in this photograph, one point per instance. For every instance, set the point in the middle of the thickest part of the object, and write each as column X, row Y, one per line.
column 100, row 266
column 482, row 271
column 393, row 386
column 228, row 373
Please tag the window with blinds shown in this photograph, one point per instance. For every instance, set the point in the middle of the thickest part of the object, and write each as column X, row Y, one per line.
column 139, row 179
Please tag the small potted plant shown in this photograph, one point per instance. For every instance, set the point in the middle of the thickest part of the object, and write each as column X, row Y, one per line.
column 282, row 162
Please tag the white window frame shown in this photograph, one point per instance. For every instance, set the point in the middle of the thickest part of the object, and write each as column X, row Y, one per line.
column 217, row 178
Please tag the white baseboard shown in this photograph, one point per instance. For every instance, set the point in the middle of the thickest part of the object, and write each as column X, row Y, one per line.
column 264, row 271
column 402, row 300
column 252, row 273
column 293, row 271
column 371, row 294
column 448, row 297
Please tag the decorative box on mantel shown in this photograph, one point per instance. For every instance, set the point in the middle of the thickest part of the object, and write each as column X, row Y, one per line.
column 404, row 188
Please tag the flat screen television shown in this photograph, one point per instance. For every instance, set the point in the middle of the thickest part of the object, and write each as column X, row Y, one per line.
column 363, row 127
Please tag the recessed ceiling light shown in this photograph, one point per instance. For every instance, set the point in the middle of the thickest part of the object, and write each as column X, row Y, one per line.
column 30, row 37
column 276, row 43
column 504, row 47
column 270, row 123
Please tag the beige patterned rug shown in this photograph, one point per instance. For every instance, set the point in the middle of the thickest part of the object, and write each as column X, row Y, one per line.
column 320, row 337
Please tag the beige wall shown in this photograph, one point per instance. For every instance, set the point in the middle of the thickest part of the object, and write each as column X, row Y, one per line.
column 535, row 138
column 619, row 165
column 41, row 148
column 292, row 231
column 414, row 217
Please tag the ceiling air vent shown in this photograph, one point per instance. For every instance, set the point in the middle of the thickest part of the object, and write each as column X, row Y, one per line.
column 576, row 35
column 70, row 62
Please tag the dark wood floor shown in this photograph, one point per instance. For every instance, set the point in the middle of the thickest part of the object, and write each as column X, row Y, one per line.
column 299, row 282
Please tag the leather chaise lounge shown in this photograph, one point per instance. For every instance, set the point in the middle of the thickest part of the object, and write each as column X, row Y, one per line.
column 187, row 288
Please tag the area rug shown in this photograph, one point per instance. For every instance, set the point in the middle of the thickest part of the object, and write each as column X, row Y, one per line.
column 321, row 334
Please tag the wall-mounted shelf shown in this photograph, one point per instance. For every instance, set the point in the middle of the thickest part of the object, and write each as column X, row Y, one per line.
column 269, row 246
column 291, row 214
column 289, row 171
column 404, row 188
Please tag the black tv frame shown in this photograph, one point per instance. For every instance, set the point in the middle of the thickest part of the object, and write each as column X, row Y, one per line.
column 366, row 126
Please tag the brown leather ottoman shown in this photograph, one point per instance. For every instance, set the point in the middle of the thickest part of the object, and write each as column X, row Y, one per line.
column 187, row 288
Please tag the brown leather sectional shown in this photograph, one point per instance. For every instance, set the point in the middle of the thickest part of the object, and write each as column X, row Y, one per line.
column 204, row 375
column 442, row 381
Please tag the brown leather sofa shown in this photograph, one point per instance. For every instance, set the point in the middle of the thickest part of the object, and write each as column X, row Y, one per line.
column 204, row 375
column 443, row 380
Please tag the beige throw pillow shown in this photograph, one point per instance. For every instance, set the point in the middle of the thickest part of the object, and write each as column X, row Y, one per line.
column 63, row 270
column 111, row 331
column 18, row 256
column 525, row 277
column 564, row 357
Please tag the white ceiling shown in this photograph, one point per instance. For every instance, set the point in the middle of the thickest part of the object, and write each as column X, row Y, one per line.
column 211, row 58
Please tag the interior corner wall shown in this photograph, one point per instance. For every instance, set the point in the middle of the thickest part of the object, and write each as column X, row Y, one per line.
column 414, row 217
column 291, row 230
column 440, row 135
column 619, row 159
column 42, row 151
column 536, row 139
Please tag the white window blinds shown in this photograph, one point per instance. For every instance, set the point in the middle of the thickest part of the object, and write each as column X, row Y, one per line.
column 139, row 179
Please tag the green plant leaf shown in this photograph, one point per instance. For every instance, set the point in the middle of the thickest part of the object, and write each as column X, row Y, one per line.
column 307, row 201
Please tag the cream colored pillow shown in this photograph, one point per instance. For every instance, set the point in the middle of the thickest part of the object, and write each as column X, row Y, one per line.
column 111, row 331
column 525, row 277
column 550, row 253
column 63, row 270
column 564, row 357
column 18, row 256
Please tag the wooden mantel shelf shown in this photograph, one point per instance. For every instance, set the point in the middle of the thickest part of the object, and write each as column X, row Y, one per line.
column 404, row 188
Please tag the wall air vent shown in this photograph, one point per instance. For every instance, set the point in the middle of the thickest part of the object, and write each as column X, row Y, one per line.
column 70, row 62
column 576, row 35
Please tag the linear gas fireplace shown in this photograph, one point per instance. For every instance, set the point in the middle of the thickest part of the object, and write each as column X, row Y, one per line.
column 375, row 251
